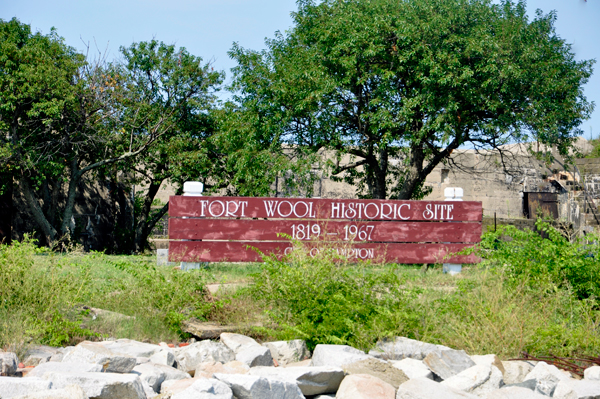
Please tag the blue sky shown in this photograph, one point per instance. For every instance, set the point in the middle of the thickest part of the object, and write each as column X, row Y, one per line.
column 207, row 28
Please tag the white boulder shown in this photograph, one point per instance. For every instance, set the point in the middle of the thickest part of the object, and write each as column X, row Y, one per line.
column 254, row 387
column 189, row 357
column 515, row 371
column 285, row 352
column 547, row 377
column 577, row 389
column 364, row 386
column 311, row 380
column 204, row 388
column 64, row 367
column 11, row 387
column 413, row 368
column 401, row 348
column 100, row 385
column 424, row 388
column 93, row 352
column 447, row 363
column 514, row 393
column 479, row 379
column 8, row 363
column 237, row 342
column 154, row 376
column 69, row 392
column 336, row 355
column 255, row 356
column 592, row 373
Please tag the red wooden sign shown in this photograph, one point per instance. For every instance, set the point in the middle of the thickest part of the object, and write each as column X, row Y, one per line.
column 239, row 229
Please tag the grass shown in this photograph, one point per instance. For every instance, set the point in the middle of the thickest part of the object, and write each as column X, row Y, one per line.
column 498, row 306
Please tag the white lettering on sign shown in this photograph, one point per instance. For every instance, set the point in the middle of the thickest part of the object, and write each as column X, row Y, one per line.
column 285, row 209
column 223, row 208
column 436, row 211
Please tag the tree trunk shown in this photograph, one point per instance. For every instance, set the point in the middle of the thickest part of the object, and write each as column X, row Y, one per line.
column 38, row 214
column 65, row 227
column 143, row 230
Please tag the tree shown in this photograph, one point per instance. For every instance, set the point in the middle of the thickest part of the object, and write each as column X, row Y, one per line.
column 171, row 88
column 56, row 114
column 398, row 85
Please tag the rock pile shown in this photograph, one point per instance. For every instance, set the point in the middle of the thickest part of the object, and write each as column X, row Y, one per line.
column 239, row 367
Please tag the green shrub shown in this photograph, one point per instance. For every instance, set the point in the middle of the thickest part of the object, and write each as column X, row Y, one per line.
column 323, row 299
column 552, row 261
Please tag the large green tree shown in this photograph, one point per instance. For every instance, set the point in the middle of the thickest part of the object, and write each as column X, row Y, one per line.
column 397, row 85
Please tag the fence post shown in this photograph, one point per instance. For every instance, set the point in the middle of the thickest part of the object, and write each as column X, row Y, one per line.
column 192, row 189
column 453, row 194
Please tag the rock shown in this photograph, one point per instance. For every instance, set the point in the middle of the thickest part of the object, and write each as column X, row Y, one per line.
column 58, row 357
column 92, row 352
column 64, row 367
column 288, row 351
column 303, row 363
column 364, row 386
column 325, row 397
column 424, row 388
column 310, row 380
column 100, row 385
column 171, row 373
column 413, row 368
column 479, row 380
column 515, row 371
column 154, row 376
column 514, row 393
column 378, row 368
column 189, row 357
column 529, row 384
column 150, row 393
column 132, row 348
column 39, row 354
column 165, row 357
column 489, row 360
column 69, row 392
column 547, row 376
column 254, row 387
column 8, row 363
column 237, row 342
column 592, row 373
column 141, row 360
column 255, row 356
column 204, row 388
column 336, row 355
column 402, row 348
column 11, row 387
column 175, row 386
column 577, row 389
column 210, row 368
column 447, row 363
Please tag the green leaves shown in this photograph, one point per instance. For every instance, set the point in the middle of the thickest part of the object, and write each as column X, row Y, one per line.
column 377, row 79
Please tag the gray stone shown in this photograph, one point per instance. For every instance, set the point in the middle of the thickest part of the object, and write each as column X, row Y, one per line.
column 8, row 363
column 254, row 387
column 154, row 376
column 310, row 380
column 529, row 384
column 514, row 392
column 413, row 368
column 285, row 352
column 100, row 385
column 64, row 367
column 189, row 357
column 39, row 354
column 378, row 368
column 132, row 348
column 491, row 359
column 592, row 373
column 166, row 357
column 424, row 388
column 11, row 387
column 577, row 389
column 171, row 373
column 58, row 357
column 547, row 376
column 92, row 352
column 479, row 380
column 515, row 371
column 401, row 348
column 141, row 360
column 237, row 342
column 364, row 386
column 69, row 392
column 203, row 388
column 150, row 393
column 448, row 362
column 336, row 355
column 255, row 356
